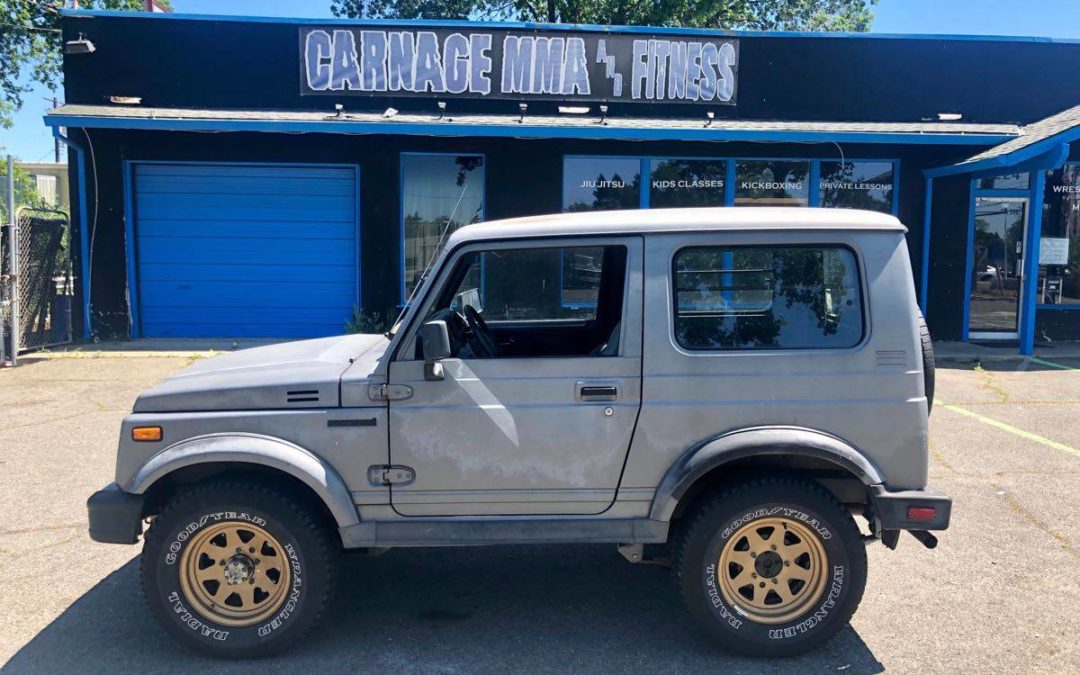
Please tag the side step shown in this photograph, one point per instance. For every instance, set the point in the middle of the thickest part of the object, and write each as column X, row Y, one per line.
column 466, row 531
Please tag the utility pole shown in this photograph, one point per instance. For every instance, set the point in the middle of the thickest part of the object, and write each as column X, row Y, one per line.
column 56, row 138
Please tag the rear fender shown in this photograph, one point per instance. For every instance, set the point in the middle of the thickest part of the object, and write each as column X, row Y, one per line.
column 756, row 442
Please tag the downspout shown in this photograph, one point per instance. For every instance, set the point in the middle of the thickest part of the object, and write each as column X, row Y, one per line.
column 84, row 224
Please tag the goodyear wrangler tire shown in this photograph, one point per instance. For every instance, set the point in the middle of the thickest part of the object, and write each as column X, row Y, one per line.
column 237, row 570
column 928, row 363
column 772, row 567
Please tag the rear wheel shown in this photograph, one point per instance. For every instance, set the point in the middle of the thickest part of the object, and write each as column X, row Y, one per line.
column 238, row 570
column 771, row 568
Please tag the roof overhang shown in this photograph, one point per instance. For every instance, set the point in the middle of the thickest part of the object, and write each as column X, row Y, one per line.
column 529, row 126
column 1040, row 145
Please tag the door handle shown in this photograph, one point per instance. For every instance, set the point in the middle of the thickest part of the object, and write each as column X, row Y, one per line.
column 597, row 392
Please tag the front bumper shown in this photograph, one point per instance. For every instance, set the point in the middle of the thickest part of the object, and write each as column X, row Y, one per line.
column 115, row 515
column 892, row 509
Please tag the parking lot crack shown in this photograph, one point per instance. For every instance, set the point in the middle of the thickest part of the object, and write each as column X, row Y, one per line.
column 1019, row 509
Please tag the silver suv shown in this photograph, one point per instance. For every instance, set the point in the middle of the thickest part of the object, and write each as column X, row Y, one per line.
column 724, row 389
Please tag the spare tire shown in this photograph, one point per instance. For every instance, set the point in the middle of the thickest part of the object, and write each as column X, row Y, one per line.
column 927, row 362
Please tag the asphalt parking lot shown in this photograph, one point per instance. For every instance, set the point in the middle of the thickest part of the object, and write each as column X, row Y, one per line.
column 1000, row 594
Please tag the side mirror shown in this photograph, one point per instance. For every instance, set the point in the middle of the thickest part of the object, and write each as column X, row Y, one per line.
column 435, row 341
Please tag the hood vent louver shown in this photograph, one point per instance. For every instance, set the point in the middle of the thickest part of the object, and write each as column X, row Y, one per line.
column 302, row 396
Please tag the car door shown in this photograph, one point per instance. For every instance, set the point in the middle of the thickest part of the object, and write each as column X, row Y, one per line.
column 543, row 426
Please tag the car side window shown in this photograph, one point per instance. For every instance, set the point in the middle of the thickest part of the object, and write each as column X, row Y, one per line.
column 530, row 302
column 767, row 297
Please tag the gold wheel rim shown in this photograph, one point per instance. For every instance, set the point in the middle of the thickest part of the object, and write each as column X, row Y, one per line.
column 772, row 570
column 235, row 574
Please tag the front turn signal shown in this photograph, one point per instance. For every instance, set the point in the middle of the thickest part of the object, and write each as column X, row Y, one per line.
column 146, row 434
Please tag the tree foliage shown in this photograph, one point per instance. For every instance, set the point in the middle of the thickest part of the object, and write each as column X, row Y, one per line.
column 26, row 193
column 30, row 44
column 814, row 15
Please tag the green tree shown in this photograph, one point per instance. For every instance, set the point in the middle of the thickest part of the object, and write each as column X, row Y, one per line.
column 816, row 15
column 30, row 44
column 26, row 193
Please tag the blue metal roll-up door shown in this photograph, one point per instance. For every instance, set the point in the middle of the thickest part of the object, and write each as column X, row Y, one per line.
column 232, row 250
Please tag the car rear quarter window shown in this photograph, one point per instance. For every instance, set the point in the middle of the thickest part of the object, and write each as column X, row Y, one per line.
column 767, row 297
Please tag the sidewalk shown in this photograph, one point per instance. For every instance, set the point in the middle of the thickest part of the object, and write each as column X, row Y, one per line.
column 966, row 352
column 150, row 347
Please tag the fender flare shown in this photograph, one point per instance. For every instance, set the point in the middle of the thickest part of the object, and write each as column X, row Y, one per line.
column 756, row 442
column 244, row 448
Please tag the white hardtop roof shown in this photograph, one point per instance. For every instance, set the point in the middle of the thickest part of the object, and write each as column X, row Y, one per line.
column 725, row 219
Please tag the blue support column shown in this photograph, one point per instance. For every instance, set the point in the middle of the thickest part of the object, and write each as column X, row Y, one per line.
column 84, row 227
column 1031, row 264
column 814, row 194
column 928, row 214
column 729, row 187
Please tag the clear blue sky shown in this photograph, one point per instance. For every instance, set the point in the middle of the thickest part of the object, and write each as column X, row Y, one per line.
column 31, row 141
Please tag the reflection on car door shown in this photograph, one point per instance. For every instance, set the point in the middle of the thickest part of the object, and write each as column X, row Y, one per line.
column 521, row 435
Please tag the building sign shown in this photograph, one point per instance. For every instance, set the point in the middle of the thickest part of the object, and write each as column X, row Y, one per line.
column 499, row 64
column 679, row 182
column 858, row 184
column 1054, row 251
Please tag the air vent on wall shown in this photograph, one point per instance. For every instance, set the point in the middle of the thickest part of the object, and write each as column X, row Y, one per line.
column 302, row 396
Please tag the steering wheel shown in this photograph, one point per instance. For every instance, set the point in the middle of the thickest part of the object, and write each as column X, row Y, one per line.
column 484, row 345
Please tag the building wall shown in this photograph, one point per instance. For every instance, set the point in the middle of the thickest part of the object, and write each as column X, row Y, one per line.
column 948, row 256
column 523, row 177
column 256, row 65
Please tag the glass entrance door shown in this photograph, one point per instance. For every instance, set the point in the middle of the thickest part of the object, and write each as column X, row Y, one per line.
column 997, row 263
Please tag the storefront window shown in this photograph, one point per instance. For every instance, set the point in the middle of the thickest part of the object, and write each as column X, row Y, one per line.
column 601, row 183
column 857, row 185
column 1012, row 181
column 440, row 193
column 772, row 183
column 1059, row 249
column 686, row 182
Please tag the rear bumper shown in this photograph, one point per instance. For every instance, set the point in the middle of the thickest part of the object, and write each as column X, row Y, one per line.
column 892, row 509
column 115, row 515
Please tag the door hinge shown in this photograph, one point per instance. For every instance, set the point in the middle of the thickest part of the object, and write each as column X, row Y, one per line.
column 389, row 392
column 390, row 474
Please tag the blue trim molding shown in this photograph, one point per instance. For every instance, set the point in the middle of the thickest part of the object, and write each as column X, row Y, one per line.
column 524, row 130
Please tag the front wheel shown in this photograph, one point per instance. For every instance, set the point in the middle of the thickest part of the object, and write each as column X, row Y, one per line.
column 772, row 567
column 238, row 570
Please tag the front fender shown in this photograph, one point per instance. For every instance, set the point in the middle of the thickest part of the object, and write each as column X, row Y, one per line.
column 757, row 441
column 252, row 449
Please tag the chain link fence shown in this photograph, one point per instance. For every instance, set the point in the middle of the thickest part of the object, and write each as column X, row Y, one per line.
column 36, row 289
column 7, row 292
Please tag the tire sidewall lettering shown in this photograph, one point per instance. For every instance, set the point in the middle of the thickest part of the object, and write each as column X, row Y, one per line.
column 733, row 619
column 181, row 609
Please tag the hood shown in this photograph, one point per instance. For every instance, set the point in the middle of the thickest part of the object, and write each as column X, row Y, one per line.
column 302, row 374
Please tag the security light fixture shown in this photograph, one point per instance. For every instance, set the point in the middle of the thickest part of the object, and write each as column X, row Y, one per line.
column 573, row 110
column 441, row 105
column 339, row 109
column 711, row 115
column 79, row 46
column 523, row 107
column 950, row 117
column 389, row 112
column 603, row 114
